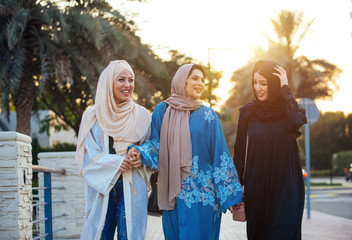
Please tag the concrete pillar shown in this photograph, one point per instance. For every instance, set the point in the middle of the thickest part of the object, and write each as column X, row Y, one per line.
column 15, row 186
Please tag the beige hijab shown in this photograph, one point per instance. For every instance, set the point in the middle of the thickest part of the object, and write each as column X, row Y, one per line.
column 126, row 123
column 175, row 153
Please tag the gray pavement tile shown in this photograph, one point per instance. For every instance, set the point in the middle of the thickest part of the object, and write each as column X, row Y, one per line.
column 320, row 226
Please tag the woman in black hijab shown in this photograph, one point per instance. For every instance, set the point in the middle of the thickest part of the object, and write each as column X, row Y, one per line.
column 272, row 179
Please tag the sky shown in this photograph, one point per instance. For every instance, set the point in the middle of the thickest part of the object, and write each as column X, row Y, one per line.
column 231, row 29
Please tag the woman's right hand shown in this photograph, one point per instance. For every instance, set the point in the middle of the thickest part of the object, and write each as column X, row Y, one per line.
column 126, row 165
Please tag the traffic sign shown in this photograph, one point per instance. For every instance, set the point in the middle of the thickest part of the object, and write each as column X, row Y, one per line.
column 312, row 114
column 312, row 111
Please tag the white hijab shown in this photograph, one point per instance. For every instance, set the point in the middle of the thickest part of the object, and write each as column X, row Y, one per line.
column 126, row 123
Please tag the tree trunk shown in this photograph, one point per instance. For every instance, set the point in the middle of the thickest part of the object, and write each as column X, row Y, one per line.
column 24, row 99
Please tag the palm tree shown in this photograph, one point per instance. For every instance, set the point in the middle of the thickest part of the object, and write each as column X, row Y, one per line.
column 52, row 55
column 29, row 31
column 99, row 34
column 308, row 78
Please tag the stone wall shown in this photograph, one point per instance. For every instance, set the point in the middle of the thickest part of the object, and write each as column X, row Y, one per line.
column 73, row 194
column 15, row 186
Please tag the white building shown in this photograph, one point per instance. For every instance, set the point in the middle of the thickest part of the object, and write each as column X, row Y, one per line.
column 43, row 139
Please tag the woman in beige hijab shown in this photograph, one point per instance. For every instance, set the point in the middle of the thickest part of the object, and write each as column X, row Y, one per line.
column 116, row 186
column 197, row 179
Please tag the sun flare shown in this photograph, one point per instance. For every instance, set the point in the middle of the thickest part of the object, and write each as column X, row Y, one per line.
column 192, row 27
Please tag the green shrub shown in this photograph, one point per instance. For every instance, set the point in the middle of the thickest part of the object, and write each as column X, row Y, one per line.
column 59, row 147
column 320, row 173
column 323, row 184
column 340, row 161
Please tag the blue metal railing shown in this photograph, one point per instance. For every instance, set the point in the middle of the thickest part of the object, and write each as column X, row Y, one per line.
column 48, row 212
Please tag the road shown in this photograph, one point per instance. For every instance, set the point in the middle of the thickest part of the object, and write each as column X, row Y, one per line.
column 337, row 202
column 334, row 202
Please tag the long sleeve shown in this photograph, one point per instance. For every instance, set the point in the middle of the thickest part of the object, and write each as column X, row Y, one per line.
column 150, row 149
column 296, row 113
column 100, row 169
column 226, row 182
column 240, row 147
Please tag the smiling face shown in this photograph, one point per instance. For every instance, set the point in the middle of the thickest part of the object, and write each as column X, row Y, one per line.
column 260, row 86
column 195, row 84
column 123, row 87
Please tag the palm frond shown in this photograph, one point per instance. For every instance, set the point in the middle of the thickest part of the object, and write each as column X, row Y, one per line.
column 65, row 28
column 11, row 70
column 45, row 51
column 85, row 69
column 16, row 27
column 89, row 28
column 63, row 72
column 5, row 10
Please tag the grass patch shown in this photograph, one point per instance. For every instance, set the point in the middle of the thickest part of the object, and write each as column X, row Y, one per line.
column 324, row 184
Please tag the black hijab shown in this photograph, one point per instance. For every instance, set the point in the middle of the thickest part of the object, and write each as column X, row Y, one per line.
column 273, row 108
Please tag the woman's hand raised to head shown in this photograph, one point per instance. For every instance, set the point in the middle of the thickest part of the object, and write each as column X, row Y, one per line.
column 282, row 75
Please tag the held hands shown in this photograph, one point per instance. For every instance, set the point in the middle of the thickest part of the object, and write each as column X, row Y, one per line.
column 135, row 157
column 235, row 207
column 132, row 160
column 282, row 75
column 126, row 165
column 232, row 208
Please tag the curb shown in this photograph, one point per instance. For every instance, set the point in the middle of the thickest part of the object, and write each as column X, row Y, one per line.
column 330, row 188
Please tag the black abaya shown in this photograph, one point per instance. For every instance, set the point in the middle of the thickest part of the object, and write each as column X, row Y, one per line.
column 274, row 189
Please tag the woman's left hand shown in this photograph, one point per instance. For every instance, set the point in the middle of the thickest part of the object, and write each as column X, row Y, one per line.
column 133, row 153
column 232, row 208
column 282, row 75
column 135, row 156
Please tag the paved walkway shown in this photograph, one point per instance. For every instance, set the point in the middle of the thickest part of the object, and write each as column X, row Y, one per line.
column 320, row 226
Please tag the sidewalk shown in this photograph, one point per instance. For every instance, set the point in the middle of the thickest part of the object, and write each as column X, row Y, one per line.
column 320, row 226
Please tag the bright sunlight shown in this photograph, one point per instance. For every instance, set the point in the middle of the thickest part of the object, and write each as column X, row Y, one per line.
column 231, row 29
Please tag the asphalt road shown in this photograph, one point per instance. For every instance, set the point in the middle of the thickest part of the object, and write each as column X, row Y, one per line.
column 337, row 202
column 334, row 202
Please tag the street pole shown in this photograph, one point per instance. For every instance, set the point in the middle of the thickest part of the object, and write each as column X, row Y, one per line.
column 306, row 136
column 312, row 114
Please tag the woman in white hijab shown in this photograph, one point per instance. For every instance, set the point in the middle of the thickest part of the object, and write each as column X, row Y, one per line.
column 116, row 186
